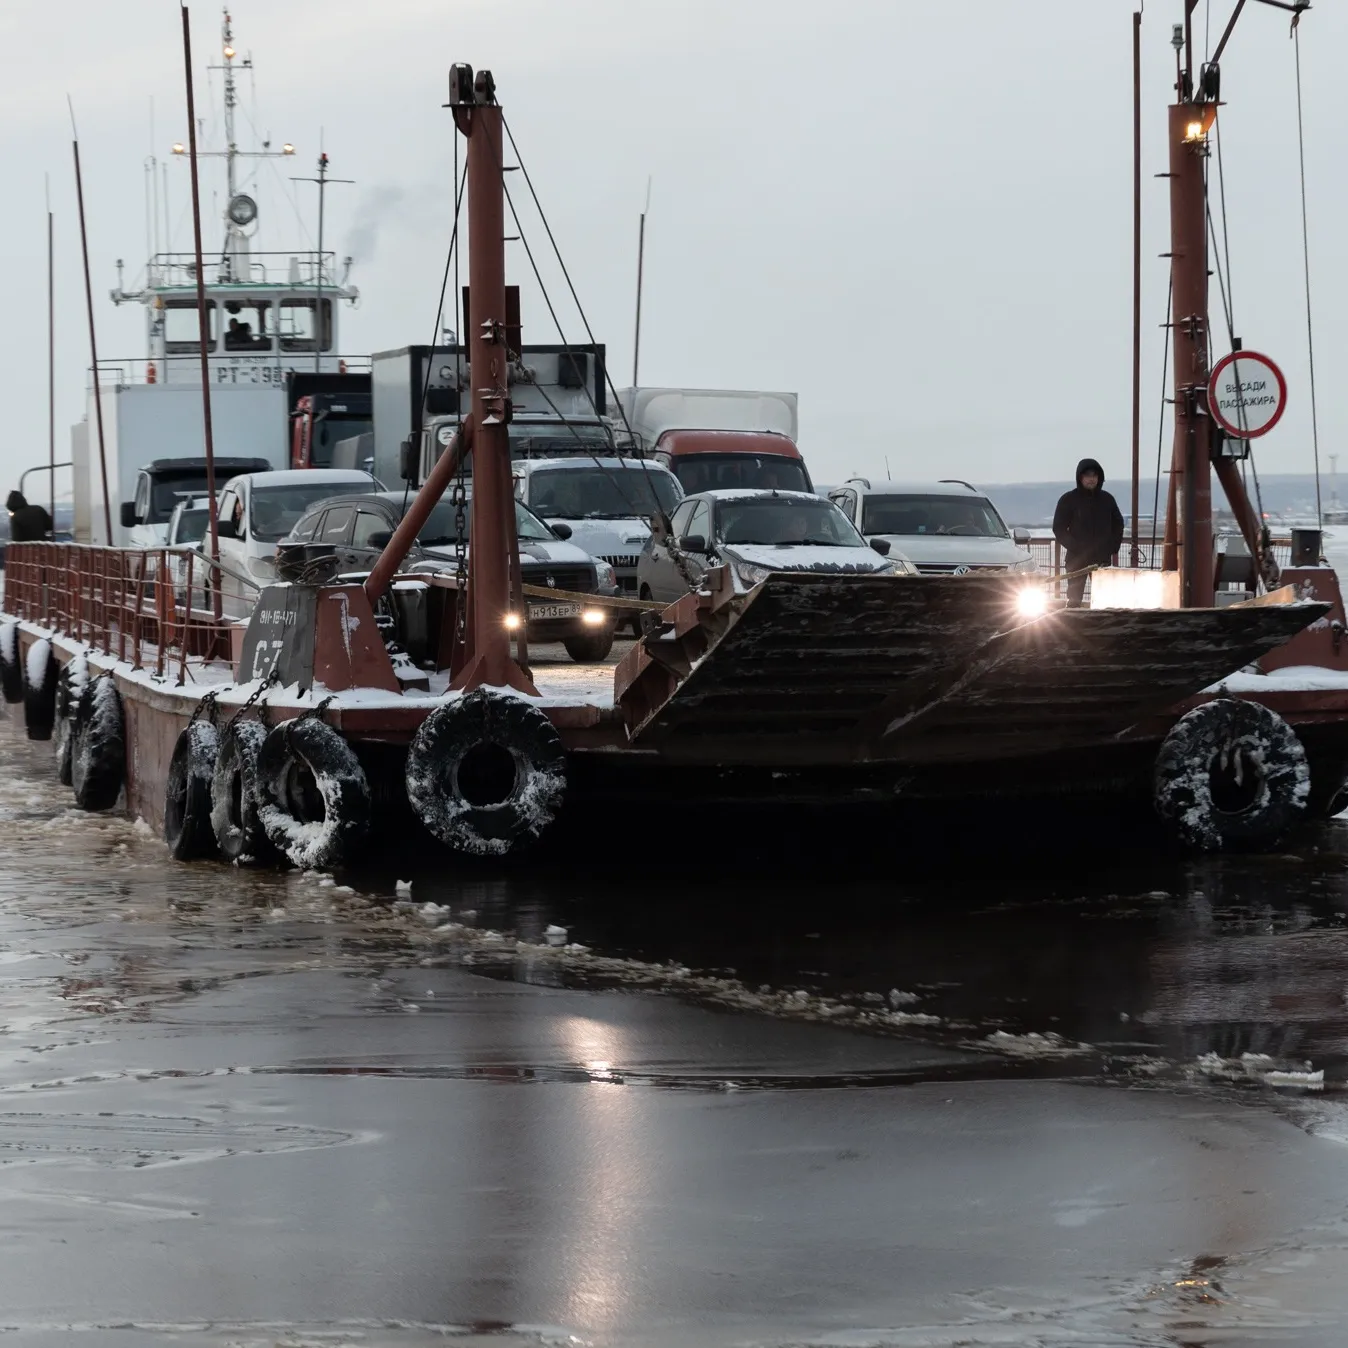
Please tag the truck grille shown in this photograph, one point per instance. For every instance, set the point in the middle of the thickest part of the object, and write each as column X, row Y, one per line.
column 578, row 578
column 622, row 559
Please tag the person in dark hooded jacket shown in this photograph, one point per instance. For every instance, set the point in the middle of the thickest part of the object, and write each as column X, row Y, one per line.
column 27, row 523
column 1089, row 526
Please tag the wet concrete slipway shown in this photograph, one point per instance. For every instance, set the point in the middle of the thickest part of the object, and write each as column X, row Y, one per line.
column 1066, row 1095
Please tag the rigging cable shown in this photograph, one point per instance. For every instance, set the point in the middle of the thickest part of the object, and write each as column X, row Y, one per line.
column 1306, row 263
column 1160, row 425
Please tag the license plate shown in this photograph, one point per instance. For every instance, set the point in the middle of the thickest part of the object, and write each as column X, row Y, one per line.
column 543, row 612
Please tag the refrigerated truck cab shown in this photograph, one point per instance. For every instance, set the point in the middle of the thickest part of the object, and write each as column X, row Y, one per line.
column 716, row 439
column 164, row 484
column 321, row 421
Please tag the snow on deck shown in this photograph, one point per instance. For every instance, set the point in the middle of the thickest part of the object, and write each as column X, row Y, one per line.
column 560, row 681
column 1293, row 679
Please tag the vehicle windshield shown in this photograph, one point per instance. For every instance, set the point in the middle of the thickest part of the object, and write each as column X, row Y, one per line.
column 785, row 522
column 962, row 516
column 441, row 529
column 598, row 493
column 166, row 491
column 739, row 472
column 192, row 526
column 543, row 440
column 274, row 511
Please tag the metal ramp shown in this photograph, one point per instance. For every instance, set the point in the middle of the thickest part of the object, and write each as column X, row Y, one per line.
column 825, row 668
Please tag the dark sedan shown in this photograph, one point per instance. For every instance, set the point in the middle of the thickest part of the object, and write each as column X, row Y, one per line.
column 346, row 533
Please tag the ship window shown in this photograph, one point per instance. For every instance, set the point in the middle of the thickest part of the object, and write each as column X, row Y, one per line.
column 248, row 325
column 182, row 331
column 297, row 325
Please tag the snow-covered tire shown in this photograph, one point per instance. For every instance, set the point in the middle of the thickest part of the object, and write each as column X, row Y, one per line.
column 187, row 798
column 313, row 796
column 11, row 673
column 234, row 802
column 40, row 673
column 1231, row 774
column 70, row 685
column 486, row 773
column 98, row 746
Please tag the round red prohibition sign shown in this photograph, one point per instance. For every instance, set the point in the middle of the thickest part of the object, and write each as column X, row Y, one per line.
column 1247, row 394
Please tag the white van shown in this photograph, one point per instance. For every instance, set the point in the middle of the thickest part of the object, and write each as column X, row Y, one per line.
column 257, row 510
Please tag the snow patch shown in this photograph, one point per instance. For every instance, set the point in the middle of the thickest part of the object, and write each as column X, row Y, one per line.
column 1262, row 1068
column 35, row 666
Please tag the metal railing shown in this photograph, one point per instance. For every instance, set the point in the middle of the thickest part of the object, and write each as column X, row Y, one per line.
column 135, row 604
column 1047, row 551
column 270, row 368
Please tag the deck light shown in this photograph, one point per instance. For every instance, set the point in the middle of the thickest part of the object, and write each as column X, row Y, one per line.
column 178, row 147
column 229, row 53
column 1032, row 602
column 287, row 148
column 512, row 622
column 1200, row 122
column 592, row 617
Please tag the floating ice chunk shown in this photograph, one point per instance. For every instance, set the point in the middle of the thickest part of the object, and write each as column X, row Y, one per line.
column 403, row 889
column 898, row 999
column 555, row 936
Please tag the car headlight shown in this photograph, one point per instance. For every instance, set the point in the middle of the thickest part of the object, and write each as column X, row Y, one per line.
column 1025, row 564
column 605, row 576
column 750, row 574
column 897, row 566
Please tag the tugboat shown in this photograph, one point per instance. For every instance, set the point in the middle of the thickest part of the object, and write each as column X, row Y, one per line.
column 294, row 733
column 272, row 320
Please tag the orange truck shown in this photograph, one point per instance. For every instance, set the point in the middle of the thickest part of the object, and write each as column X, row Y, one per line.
column 719, row 438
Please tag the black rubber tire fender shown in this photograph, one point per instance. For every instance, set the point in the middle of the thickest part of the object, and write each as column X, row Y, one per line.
column 1262, row 752
column 443, row 743
column 313, row 795
column 591, row 647
column 98, row 746
column 70, row 684
column 238, row 830
column 39, row 699
column 11, row 670
column 187, row 798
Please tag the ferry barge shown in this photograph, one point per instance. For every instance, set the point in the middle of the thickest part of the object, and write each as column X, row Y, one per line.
column 298, row 735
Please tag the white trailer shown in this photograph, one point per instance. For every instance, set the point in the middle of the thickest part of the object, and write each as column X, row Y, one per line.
column 653, row 411
column 147, row 422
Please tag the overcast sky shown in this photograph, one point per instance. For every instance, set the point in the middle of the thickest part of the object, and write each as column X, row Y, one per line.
column 916, row 215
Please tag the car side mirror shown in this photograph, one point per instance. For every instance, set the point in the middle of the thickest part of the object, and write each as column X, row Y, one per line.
column 693, row 543
column 563, row 531
column 381, row 538
column 407, row 461
column 880, row 545
column 1021, row 536
column 129, row 520
column 226, row 528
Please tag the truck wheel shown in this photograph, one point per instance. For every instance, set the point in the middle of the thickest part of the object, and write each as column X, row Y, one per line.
column 98, row 746
column 238, row 830
column 187, row 800
column 314, row 799
column 590, row 648
column 11, row 676
column 40, row 673
column 486, row 773
column 1231, row 774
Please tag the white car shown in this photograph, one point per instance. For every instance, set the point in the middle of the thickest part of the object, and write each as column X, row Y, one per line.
column 257, row 510
column 944, row 528
column 756, row 533
column 607, row 503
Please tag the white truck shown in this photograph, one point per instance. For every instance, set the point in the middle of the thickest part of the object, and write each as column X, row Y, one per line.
column 147, row 424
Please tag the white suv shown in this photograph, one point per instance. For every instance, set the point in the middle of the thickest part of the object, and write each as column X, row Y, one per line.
column 944, row 528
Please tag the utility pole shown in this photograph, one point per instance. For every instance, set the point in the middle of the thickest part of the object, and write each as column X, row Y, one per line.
column 320, row 328
column 641, row 258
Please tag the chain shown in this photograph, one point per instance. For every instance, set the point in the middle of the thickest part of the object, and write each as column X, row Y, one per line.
column 460, row 556
column 314, row 713
column 256, row 696
column 210, row 705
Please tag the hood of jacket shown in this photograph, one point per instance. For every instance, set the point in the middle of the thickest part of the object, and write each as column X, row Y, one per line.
column 16, row 501
column 1090, row 466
